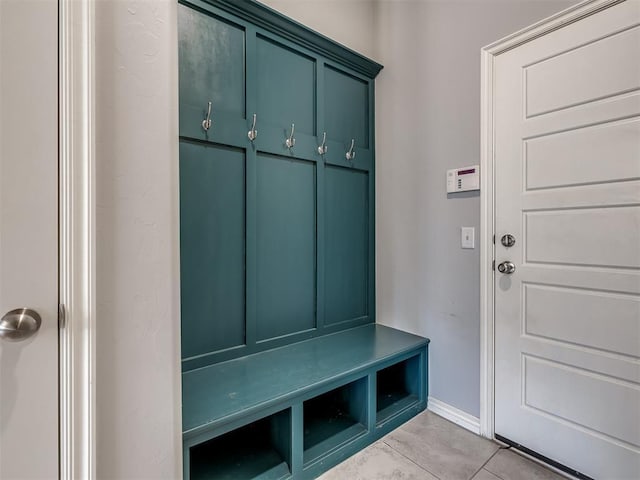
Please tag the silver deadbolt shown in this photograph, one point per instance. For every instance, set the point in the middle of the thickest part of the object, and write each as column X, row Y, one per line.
column 508, row 240
column 507, row 268
column 19, row 324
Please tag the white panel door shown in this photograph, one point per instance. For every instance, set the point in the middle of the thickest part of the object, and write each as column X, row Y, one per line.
column 567, row 331
column 28, row 236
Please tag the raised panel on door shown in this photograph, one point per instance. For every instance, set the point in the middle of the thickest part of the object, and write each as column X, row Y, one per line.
column 346, row 244
column 212, row 69
column 571, row 382
column 285, row 86
column 569, row 315
column 569, row 236
column 575, row 157
column 212, row 248
column 346, row 108
column 557, row 83
column 286, row 246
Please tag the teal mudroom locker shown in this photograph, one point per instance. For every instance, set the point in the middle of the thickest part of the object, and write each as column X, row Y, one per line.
column 284, row 371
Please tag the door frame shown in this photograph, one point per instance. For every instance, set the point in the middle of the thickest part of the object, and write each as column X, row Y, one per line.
column 487, row 191
column 76, row 189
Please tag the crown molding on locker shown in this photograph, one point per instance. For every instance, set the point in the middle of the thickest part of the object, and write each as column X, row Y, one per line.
column 274, row 22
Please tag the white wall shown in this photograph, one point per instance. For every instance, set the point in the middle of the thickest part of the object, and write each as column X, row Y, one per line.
column 138, row 322
column 349, row 22
column 428, row 121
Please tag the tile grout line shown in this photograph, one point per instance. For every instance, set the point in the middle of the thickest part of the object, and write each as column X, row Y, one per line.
column 488, row 460
column 431, row 473
column 415, row 463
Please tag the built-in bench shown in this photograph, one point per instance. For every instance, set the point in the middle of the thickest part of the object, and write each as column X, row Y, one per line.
column 298, row 410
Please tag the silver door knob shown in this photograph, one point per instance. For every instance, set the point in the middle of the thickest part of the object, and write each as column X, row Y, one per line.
column 507, row 268
column 19, row 324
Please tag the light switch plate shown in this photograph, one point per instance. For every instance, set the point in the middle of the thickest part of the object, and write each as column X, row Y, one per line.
column 467, row 237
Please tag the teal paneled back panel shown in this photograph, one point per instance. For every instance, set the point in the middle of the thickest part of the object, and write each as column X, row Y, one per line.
column 212, row 247
column 285, row 87
column 277, row 241
column 346, row 244
column 212, row 62
column 286, row 246
column 346, row 103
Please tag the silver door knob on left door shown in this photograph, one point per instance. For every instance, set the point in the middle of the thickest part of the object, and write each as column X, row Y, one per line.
column 507, row 268
column 19, row 324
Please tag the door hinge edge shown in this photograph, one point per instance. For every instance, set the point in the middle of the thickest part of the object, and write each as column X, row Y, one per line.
column 62, row 316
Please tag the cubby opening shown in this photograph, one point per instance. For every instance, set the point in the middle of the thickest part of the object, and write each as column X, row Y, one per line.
column 334, row 419
column 397, row 388
column 261, row 449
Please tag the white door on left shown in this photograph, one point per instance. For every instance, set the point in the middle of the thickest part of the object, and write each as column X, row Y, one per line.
column 29, row 237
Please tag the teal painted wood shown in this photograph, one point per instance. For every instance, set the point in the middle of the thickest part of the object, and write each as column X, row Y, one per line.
column 252, row 198
column 297, row 436
column 372, row 206
column 320, row 218
column 212, row 216
column 334, row 418
column 290, row 97
column 221, row 77
column 252, row 35
column 286, row 87
column 328, row 384
column 346, row 245
column 396, row 386
column 286, row 247
column 275, row 426
column 217, row 394
column 261, row 449
column 276, row 23
column 346, row 102
column 211, row 62
column 314, row 469
column 339, row 139
column 272, row 141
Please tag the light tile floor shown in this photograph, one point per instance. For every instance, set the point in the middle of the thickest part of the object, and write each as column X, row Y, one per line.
column 430, row 448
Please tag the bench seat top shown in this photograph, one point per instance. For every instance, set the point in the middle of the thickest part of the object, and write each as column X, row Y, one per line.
column 217, row 393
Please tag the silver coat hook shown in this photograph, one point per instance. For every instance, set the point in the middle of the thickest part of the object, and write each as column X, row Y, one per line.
column 253, row 133
column 351, row 154
column 322, row 149
column 290, row 142
column 206, row 123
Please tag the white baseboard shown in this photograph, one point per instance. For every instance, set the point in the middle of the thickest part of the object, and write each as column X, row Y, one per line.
column 454, row 415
